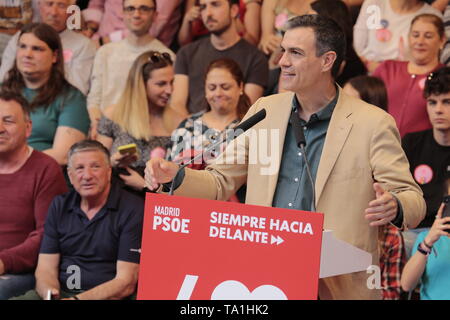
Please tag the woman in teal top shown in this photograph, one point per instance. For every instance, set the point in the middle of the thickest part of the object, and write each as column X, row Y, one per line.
column 58, row 110
column 430, row 262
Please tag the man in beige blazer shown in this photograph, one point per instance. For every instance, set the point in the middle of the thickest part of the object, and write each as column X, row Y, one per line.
column 362, row 180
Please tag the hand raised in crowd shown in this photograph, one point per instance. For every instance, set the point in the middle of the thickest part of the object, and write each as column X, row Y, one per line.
column 133, row 180
column 383, row 209
column 192, row 14
column 157, row 171
column 440, row 227
column 269, row 43
column 91, row 27
column 123, row 160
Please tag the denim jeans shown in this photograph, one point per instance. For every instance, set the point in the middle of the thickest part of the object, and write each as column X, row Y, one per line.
column 12, row 285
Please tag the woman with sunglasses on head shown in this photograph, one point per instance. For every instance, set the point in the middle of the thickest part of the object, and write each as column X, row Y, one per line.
column 141, row 117
column 59, row 113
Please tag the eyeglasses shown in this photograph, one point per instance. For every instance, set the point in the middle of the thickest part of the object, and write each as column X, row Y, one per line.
column 140, row 9
column 157, row 57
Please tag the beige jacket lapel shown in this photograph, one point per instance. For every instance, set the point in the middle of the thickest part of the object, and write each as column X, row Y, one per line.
column 338, row 131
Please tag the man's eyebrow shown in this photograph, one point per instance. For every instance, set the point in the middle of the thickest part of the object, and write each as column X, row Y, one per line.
column 290, row 49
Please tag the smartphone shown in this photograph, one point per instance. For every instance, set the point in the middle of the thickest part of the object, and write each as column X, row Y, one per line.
column 128, row 148
column 446, row 212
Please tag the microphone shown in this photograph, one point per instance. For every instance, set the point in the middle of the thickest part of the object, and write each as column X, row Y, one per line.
column 250, row 122
column 301, row 143
column 298, row 130
column 240, row 129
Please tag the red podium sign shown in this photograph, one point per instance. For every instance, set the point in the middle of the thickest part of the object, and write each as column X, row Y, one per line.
column 204, row 249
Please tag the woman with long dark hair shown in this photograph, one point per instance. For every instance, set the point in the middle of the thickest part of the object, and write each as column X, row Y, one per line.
column 58, row 109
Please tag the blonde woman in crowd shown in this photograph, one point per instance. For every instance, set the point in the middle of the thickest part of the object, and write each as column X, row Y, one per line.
column 140, row 117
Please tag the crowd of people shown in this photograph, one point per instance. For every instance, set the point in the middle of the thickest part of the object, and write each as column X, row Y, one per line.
column 95, row 116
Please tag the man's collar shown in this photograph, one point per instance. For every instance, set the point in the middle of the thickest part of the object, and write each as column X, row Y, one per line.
column 324, row 113
column 112, row 202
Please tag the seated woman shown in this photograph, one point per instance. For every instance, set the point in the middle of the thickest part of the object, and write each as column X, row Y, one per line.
column 405, row 80
column 226, row 104
column 141, row 117
column 59, row 113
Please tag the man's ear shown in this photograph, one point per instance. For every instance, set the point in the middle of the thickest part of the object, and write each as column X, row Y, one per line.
column 328, row 59
column 29, row 127
column 234, row 10
column 69, row 174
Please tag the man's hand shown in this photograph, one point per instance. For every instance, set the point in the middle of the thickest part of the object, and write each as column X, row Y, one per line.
column 269, row 43
column 383, row 209
column 159, row 171
column 2, row 267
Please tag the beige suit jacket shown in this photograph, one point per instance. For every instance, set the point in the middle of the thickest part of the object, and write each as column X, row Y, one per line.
column 362, row 146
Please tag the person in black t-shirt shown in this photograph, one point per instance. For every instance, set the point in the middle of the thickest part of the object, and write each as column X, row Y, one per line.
column 428, row 151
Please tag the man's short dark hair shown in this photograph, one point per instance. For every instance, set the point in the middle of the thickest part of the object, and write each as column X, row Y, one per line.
column 437, row 82
column 6, row 95
column 154, row 2
column 231, row 2
column 329, row 36
column 88, row 145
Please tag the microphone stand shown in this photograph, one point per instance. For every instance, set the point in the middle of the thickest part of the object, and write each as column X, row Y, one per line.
column 301, row 143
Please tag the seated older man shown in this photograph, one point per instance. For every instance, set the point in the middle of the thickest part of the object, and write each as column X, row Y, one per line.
column 92, row 235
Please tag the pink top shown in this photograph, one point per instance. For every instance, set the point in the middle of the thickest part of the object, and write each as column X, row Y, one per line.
column 405, row 96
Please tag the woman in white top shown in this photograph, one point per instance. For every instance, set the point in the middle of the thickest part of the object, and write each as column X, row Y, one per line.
column 381, row 31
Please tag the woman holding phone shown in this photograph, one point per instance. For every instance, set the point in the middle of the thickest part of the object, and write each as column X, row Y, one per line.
column 430, row 260
column 141, row 117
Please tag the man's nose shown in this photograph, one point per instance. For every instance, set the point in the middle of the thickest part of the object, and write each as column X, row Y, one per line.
column 136, row 13
column 87, row 173
column 53, row 10
column 284, row 61
column 439, row 107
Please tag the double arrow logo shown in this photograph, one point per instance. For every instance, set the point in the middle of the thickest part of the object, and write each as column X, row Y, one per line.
column 276, row 239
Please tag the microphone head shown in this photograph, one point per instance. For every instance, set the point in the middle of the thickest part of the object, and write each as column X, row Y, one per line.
column 250, row 122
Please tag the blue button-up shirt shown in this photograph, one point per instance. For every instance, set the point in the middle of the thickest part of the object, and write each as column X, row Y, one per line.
column 294, row 190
